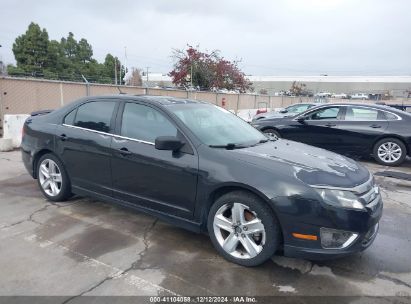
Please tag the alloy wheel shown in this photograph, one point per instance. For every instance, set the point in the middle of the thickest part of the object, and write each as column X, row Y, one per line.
column 389, row 152
column 239, row 231
column 50, row 177
column 271, row 135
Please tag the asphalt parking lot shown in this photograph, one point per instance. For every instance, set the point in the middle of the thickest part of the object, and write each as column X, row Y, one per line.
column 85, row 247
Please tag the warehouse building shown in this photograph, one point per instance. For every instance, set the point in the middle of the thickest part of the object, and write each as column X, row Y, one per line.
column 397, row 86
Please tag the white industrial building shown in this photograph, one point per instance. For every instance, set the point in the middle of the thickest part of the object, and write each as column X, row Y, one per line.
column 395, row 85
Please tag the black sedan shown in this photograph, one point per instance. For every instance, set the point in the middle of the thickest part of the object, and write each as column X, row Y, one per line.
column 291, row 110
column 201, row 167
column 350, row 129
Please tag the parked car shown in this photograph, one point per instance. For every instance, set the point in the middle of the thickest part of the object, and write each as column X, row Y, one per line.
column 323, row 94
column 288, row 111
column 340, row 96
column 352, row 129
column 201, row 167
column 361, row 96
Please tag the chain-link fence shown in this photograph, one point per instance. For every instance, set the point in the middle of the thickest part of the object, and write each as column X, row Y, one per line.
column 23, row 96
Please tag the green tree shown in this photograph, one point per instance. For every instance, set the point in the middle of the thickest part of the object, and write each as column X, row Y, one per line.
column 31, row 50
column 66, row 59
column 84, row 51
column 114, row 68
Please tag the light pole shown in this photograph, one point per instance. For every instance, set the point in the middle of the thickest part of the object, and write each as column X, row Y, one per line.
column 1, row 63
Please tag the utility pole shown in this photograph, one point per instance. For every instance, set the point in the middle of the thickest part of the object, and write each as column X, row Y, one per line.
column 115, row 70
column 191, row 74
column 119, row 72
column 125, row 62
column 147, row 76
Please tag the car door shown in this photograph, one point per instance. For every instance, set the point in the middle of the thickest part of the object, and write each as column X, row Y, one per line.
column 156, row 179
column 83, row 143
column 360, row 128
column 318, row 127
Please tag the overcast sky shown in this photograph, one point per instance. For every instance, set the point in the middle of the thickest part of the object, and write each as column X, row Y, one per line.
column 282, row 37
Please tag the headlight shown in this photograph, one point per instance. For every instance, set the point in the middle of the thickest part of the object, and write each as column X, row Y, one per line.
column 340, row 198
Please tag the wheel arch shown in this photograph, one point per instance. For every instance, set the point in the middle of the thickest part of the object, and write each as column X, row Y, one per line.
column 227, row 188
column 400, row 138
column 270, row 127
column 36, row 158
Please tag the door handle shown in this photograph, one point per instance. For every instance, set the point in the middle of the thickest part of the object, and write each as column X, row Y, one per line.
column 375, row 126
column 63, row 137
column 124, row 151
column 330, row 125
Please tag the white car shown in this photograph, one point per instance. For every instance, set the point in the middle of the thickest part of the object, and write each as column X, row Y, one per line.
column 361, row 96
column 341, row 96
column 323, row 94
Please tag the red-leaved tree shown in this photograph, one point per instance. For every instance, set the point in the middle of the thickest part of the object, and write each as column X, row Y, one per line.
column 207, row 71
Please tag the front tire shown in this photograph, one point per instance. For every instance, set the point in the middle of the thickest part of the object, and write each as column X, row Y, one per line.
column 390, row 152
column 243, row 228
column 272, row 134
column 52, row 178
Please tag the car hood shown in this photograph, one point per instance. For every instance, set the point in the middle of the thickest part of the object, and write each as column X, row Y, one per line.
column 311, row 165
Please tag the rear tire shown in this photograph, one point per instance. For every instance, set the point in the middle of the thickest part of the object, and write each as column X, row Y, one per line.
column 390, row 152
column 243, row 228
column 272, row 134
column 53, row 179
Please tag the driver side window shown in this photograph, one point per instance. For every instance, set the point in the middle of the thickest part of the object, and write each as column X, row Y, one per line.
column 324, row 114
column 145, row 123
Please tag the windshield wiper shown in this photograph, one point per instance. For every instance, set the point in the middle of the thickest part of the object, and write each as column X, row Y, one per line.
column 229, row 146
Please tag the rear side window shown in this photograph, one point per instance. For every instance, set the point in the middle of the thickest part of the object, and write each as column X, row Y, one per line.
column 95, row 115
column 145, row 123
column 390, row 116
column 362, row 114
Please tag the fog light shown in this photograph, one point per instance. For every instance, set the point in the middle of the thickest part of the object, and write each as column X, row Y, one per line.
column 336, row 239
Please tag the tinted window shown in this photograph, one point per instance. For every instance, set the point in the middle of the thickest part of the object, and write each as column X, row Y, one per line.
column 145, row 123
column 69, row 119
column 95, row 115
column 324, row 113
column 361, row 114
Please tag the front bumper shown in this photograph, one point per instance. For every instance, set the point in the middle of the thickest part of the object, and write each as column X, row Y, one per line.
column 362, row 242
column 363, row 223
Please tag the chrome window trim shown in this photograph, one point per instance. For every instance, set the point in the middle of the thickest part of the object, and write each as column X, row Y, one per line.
column 319, row 108
column 110, row 134
column 350, row 105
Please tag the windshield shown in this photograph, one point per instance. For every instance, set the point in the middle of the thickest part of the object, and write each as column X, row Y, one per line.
column 297, row 108
column 216, row 126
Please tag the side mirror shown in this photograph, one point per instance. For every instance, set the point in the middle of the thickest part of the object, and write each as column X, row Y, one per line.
column 284, row 111
column 301, row 119
column 170, row 143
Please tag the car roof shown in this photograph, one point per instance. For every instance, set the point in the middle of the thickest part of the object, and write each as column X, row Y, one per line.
column 305, row 103
column 369, row 105
column 162, row 100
